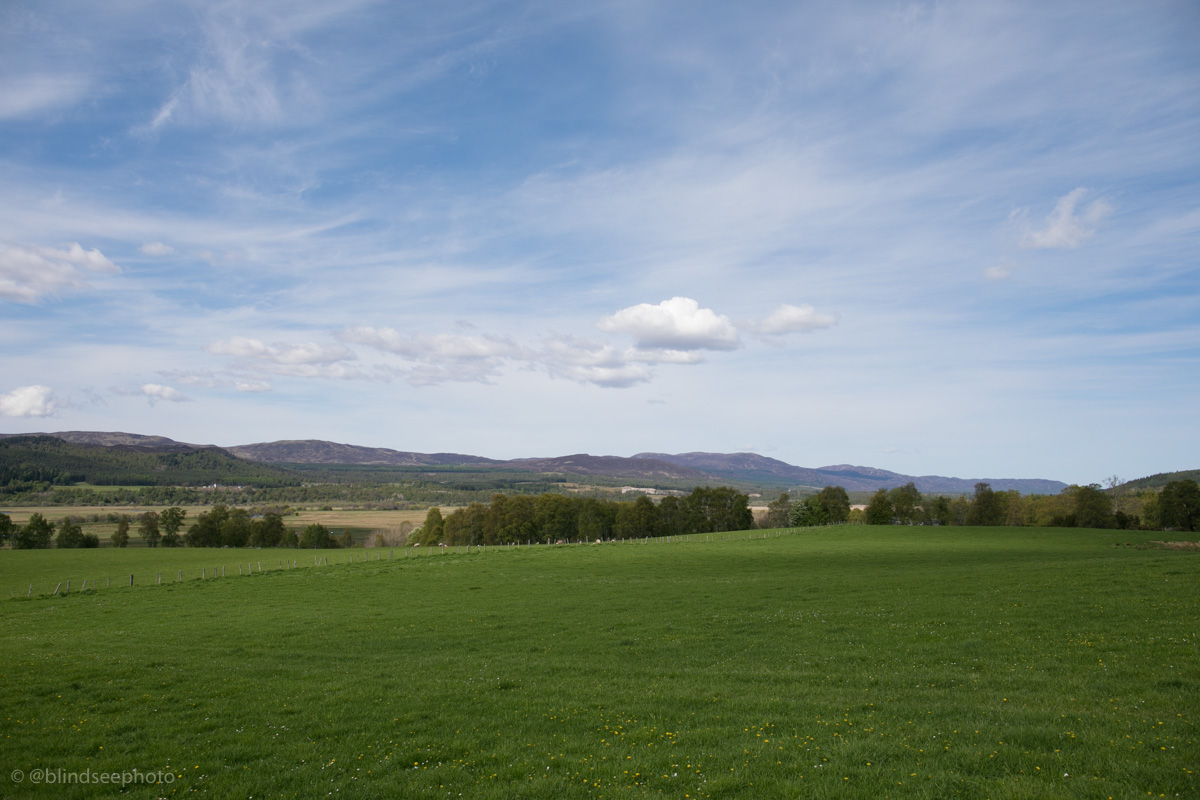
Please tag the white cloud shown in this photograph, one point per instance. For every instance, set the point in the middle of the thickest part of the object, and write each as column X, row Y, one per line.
column 307, row 360
column 1064, row 227
column 157, row 391
column 788, row 318
column 675, row 324
column 601, row 364
column 440, row 358
column 29, row 401
column 421, row 347
column 157, row 249
column 27, row 274
column 308, row 353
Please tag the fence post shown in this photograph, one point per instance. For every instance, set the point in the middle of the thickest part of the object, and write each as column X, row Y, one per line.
column 56, row 588
column 131, row 580
column 181, row 576
column 30, row 593
column 203, row 573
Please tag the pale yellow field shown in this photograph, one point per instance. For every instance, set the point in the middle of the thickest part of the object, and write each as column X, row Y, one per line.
column 388, row 522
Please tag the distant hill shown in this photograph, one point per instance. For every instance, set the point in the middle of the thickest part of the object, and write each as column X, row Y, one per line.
column 610, row 467
column 314, row 451
column 31, row 460
column 746, row 469
column 1162, row 479
column 114, row 439
column 754, row 468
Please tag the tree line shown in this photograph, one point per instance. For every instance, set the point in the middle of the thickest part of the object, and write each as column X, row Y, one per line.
column 1176, row 507
column 552, row 517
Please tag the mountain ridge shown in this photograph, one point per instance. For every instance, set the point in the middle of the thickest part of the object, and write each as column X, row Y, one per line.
column 750, row 468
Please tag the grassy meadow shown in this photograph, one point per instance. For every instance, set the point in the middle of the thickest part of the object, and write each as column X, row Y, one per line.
column 852, row 662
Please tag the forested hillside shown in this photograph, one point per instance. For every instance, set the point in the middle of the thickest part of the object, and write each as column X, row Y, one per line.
column 40, row 462
column 1162, row 479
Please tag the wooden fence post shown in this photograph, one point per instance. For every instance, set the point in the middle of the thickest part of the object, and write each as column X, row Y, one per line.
column 131, row 580
column 56, row 588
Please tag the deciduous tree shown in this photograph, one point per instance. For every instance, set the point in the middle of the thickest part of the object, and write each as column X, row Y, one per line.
column 34, row 534
column 1093, row 507
column 835, row 503
column 879, row 510
column 70, row 534
column 148, row 528
column 779, row 512
column 315, row 536
column 986, row 507
column 171, row 520
column 1179, row 505
column 120, row 537
column 905, row 503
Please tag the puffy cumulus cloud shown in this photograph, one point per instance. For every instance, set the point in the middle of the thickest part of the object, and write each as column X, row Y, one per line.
column 29, row 401
column 676, row 324
column 788, row 318
column 27, row 274
column 156, row 249
column 157, row 391
column 1067, row 227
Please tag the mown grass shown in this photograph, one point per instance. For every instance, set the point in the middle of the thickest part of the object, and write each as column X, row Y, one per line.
column 857, row 662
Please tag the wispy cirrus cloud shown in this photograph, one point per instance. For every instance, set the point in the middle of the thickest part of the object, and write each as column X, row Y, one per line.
column 153, row 392
column 1069, row 225
column 305, row 360
column 38, row 93
column 156, row 249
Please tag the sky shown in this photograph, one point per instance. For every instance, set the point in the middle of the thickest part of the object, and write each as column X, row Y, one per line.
column 950, row 238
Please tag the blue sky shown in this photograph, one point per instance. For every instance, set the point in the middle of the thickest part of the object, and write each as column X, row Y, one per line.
column 939, row 238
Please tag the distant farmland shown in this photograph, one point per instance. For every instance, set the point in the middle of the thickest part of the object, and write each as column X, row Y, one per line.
column 854, row 661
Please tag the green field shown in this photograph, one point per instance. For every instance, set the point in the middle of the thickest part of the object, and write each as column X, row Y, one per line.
column 857, row 661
